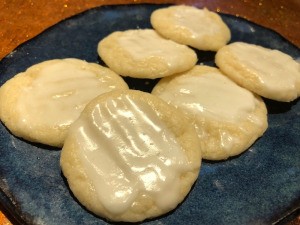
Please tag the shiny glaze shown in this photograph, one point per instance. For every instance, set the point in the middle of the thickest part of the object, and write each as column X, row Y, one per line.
column 211, row 97
column 276, row 70
column 60, row 92
column 145, row 44
column 211, row 94
column 127, row 151
column 185, row 17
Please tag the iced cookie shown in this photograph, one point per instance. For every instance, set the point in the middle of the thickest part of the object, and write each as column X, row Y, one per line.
column 144, row 54
column 269, row 73
column 228, row 118
column 40, row 104
column 199, row 28
column 130, row 156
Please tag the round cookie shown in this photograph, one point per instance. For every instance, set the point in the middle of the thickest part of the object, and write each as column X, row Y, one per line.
column 199, row 28
column 228, row 118
column 131, row 156
column 144, row 54
column 39, row 104
column 266, row 72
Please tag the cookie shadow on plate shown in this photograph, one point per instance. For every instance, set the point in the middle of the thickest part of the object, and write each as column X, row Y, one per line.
column 34, row 144
column 276, row 107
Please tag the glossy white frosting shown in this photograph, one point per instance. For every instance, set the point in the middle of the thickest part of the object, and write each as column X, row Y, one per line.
column 214, row 97
column 145, row 44
column 127, row 151
column 276, row 70
column 185, row 18
column 60, row 92
column 211, row 94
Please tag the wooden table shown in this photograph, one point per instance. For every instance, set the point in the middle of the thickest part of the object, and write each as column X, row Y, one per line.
column 22, row 20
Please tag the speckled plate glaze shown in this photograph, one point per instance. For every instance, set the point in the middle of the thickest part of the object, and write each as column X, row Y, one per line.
column 260, row 186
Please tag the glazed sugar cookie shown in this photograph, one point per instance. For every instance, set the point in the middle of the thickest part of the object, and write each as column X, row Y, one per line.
column 145, row 54
column 269, row 73
column 199, row 28
column 40, row 104
column 130, row 156
column 228, row 118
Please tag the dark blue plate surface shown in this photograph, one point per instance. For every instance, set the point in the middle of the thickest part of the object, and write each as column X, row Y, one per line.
column 260, row 186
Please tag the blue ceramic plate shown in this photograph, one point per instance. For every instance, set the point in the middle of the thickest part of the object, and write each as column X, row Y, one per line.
column 260, row 186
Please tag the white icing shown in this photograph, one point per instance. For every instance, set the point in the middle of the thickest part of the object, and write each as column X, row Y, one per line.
column 59, row 93
column 276, row 70
column 128, row 151
column 186, row 18
column 211, row 94
column 145, row 44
